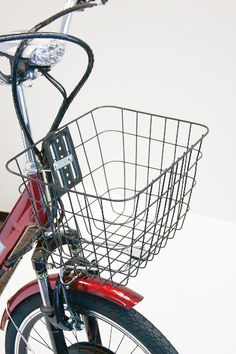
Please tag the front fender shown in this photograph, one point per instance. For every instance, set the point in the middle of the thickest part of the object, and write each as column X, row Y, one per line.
column 121, row 295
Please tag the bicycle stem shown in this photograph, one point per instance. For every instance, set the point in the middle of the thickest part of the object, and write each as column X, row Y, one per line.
column 66, row 20
column 24, row 112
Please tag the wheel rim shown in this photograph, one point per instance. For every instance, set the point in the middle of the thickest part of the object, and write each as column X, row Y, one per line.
column 118, row 340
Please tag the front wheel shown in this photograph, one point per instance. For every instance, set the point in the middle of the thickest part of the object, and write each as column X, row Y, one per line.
column 118, row 330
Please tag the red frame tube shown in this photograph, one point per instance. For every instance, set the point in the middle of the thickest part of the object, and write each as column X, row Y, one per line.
column 21, row 217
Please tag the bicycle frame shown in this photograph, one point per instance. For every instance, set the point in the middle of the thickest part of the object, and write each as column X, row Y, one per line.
column 18, row 221
column 15, row 227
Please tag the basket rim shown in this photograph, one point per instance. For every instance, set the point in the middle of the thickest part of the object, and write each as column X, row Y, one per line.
column 138, row 193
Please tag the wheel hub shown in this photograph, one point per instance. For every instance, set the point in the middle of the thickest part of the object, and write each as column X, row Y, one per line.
column 88, row 348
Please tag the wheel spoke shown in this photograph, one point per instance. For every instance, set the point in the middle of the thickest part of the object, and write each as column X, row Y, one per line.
column 66, row 338
column 110, row 337
column 43, row 322
column 120, row 343
column 45, row 343
column 134, row 349
column 75, row 335
column 38, row 341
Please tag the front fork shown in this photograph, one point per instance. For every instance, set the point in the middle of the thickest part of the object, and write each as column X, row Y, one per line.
column 55, row 332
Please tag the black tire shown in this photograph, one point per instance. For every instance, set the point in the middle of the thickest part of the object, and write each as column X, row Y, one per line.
column 139, row 328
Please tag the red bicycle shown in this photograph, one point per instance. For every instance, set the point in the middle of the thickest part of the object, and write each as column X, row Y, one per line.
column 100, row 197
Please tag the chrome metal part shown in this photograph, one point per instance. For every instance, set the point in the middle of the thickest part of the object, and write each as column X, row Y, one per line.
column 136, row 252
column 67, row 18
column 4, row 80
column 63, row 162
column 24, row 111
column 31, row 75
column 30, row 168
column 43, row 288
column 48, row 54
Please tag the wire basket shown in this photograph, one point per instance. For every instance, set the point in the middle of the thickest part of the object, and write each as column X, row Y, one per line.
column 118, row 190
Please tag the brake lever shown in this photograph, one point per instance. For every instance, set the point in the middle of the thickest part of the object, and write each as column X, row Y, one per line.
column 5, row 79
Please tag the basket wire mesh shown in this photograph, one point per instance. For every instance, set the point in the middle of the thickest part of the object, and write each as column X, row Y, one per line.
column 138, row 172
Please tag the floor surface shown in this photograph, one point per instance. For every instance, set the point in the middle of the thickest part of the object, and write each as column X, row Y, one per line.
column 189, row 289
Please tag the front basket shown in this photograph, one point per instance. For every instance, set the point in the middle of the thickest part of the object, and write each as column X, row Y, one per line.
column 116, row 185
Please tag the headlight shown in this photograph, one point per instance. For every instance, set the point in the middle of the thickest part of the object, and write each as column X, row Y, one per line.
column 49, row 54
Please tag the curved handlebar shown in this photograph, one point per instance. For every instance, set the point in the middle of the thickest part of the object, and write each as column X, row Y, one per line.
column 25, row 37
column 67, row 101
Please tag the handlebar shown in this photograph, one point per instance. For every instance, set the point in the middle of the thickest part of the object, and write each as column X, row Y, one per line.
column 8, row 49
column 25, row 37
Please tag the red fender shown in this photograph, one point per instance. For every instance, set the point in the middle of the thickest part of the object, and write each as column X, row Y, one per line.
column 121, row 295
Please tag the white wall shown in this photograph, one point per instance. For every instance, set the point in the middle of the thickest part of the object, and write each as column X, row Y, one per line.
column 175, row 58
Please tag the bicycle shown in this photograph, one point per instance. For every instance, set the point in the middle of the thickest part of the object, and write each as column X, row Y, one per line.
column 95, row 214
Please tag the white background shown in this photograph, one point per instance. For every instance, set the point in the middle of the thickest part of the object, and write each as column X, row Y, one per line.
column 175, row 58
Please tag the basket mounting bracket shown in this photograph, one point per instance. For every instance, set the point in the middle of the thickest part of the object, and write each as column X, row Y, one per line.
column 60, row 156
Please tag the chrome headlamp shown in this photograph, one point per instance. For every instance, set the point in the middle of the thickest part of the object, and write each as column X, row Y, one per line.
column 48, row 54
